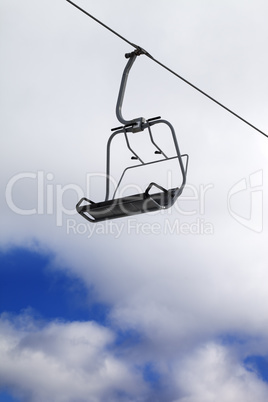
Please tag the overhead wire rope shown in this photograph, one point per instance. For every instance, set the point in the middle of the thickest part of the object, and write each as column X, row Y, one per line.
column 140, row 50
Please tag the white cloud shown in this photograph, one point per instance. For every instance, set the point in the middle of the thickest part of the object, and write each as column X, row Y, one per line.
column 214, row 373
column 67, row 362
column 63, row 362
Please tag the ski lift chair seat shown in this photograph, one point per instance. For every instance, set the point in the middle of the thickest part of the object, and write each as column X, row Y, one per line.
column 129, row 205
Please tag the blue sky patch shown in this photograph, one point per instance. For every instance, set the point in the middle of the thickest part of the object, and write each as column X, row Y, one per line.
column 6, row 397
column 26, row 282
column 258, row 364
column 151, row 375
column 232, row 339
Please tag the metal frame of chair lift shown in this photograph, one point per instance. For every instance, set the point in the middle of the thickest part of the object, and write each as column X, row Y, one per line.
column 113, row 207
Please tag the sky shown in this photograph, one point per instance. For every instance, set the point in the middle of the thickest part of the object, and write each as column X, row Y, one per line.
column 168, row 306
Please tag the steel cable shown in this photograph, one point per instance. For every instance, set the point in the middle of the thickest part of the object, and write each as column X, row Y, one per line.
column 142, row 51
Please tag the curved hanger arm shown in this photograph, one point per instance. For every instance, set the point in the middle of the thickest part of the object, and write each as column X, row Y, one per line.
column 135, row 122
